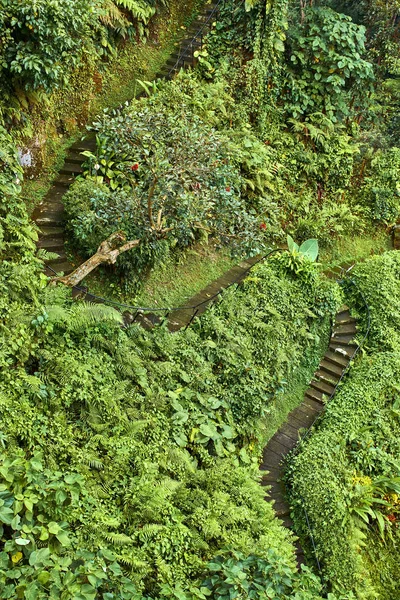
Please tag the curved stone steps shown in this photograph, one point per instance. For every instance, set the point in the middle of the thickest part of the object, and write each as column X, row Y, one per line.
column 49, row 215
column 396, row 237
column 322, row 387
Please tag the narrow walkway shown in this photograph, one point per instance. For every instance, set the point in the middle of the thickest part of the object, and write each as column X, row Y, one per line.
column 342, row 347
column 396, row 237
column 49, row 215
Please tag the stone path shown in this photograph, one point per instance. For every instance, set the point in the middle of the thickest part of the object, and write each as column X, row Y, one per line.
column 49, row 215
column 342, row 348
column 396, row 237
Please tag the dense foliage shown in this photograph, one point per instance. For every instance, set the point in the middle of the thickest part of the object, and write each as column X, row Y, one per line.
column 129, row 459
column 348, row 472
column 135, row 451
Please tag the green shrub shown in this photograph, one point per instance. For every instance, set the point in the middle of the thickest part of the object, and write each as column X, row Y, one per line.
column 161, row 432
column 381, row 189
column 346, row 474
column 326, row 71
column 45, row 40
column 378, row 280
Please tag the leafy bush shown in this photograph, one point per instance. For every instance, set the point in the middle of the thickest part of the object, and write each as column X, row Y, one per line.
column 164, row 176
column 379, row 281
column 358, row 437
column 381, row 189
column 45, row 40
column 328, row 72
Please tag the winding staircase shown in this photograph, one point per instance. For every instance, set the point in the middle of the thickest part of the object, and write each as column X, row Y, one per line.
column 342, row 347
column 49, row 215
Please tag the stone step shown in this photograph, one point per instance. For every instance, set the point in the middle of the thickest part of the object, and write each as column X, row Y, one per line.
column 345, row 319
column 344, row 330
column 75, row 157
column 331, row 368
column 271, row 460
column 336, row 358
column 71, row 169
column 343, row 338
column 316, row 395
column 64, row 180
column 323, row 387
column 62, row 258
column 64, row 267
column 326, row 377
column 49, row 219
column 88, row 143
column 298, row 418
column 312, row 403
column 55, row 194
column 282, row 508
column 344, row 349
column 51, row 232
column 52, row 244
column 290, row 431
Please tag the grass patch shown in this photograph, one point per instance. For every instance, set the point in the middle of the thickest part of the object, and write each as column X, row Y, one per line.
column 170, row 284
column 349, row 249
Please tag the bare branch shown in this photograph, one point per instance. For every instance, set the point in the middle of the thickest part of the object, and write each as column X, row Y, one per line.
column 107, row 253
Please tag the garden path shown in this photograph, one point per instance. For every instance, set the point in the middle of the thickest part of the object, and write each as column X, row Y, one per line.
column 342, row 347
column 49, row 215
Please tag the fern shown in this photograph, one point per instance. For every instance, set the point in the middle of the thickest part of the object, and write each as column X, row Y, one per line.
column 118, row 539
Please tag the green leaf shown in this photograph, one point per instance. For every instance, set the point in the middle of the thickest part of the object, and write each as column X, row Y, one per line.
column 310, row 249
column 22, row 541
column 293, row 247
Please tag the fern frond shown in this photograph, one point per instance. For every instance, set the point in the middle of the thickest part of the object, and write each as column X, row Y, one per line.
column 118, row 539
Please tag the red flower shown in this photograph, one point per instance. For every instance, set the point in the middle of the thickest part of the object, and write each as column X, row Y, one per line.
column 228, row 188
column 263, row 226
column 135, row 167
column 392, row 518
column 197, row 186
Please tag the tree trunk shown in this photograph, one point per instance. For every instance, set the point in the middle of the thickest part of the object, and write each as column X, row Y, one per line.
column 107, row 253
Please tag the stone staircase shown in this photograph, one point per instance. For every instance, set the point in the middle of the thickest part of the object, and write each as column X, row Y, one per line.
column 396, row 237
column 49, row 215
column 342, row 347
